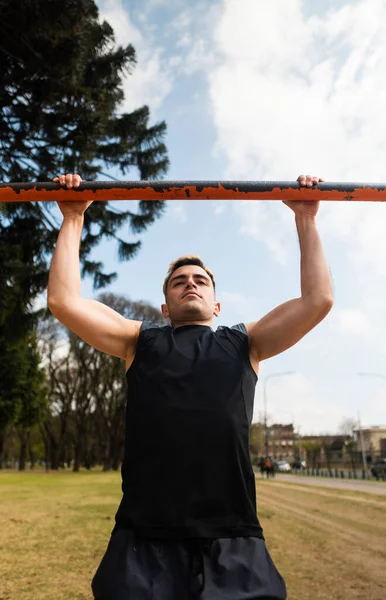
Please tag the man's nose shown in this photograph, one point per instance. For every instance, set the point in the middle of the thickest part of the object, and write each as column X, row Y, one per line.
column 190, row 283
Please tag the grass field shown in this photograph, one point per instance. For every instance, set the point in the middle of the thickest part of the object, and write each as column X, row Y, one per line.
column 328, row 544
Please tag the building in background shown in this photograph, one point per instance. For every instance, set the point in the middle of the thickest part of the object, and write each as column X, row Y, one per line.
column 373, row 440
column 319, row 451
column 327, row 450
column 282, row 441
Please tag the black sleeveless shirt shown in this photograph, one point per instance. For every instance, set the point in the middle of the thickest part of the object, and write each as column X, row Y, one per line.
column 187, row 471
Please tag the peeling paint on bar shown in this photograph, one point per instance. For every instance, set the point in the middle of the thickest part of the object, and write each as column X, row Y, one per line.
column 192, row 190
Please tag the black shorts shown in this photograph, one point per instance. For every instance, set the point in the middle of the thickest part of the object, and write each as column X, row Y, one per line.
column 135, row 568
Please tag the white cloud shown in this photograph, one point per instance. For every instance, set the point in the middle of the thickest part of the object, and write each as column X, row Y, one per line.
column 353, row 321
column 191, row 31
column 219, row 207
column 297, row 93
column 361, row 227
column 238, row 307
column 152, row 77
column 178, row 211
column 270, row 223
column 293, row 94
column 183, row 51
column 295, row 398
column 379, row 402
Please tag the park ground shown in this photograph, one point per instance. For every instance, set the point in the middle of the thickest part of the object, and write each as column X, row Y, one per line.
column 328, row 543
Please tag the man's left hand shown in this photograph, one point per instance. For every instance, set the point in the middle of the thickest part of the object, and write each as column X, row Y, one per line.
column 305, row 207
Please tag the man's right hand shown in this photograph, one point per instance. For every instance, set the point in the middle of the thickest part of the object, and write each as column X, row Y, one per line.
column 72, row 207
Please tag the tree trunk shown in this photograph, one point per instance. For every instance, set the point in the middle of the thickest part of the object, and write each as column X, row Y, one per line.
column 32, row 458
column 107, row 453
column 77, row 453
column 2, row 440
column 117, row 451
column 24, row 438
column 76, row 465
column 107, row 464
column 52, row 451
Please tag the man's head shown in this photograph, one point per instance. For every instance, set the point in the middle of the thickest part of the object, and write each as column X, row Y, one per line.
column 189, row 290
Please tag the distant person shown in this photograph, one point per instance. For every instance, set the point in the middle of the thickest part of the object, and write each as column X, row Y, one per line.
column 187, row 525
column 269, row 467
column 262, row 466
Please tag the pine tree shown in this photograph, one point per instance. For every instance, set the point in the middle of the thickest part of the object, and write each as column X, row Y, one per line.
column 30, row 392
column 60, row 91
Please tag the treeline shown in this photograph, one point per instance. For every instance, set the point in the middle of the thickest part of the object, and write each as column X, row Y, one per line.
column 78, row 416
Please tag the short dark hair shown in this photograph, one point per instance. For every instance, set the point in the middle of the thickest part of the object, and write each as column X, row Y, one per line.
column 189, row 259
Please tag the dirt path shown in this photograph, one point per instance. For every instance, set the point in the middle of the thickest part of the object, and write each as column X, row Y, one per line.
column 370, row 487
column 330, row 544
column 320, row 516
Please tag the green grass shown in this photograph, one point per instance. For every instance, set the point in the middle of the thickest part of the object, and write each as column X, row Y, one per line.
column 55, row 528
column 328, row 544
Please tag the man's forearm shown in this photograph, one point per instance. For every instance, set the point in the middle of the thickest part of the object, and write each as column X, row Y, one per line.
column 315, row 275
column 64, row 279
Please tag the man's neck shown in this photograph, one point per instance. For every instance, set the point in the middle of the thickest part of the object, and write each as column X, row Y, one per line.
column 206, row 323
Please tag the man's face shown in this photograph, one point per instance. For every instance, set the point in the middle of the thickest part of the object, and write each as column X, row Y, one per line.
column 190, row 296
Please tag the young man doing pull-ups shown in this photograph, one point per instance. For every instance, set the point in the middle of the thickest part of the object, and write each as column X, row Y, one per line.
column 187, row 526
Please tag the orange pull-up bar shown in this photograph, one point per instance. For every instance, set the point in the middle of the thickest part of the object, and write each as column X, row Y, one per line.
column 191, row 190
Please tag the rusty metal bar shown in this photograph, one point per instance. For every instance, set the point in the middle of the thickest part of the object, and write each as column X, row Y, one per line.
column 191, row 190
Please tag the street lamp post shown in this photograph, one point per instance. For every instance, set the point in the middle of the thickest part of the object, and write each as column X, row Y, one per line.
column 265, row 403
column 300, row 450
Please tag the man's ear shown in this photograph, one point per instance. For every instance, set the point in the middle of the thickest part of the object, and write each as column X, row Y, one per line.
column 217, row 308
column 165, row 311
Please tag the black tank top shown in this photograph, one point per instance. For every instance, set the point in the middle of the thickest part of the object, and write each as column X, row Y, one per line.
column 187, row 471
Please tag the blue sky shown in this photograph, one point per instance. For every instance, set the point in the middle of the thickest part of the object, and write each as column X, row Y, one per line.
column 265, row 91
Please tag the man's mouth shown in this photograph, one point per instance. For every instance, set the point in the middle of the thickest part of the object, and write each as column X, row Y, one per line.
column 191, row 294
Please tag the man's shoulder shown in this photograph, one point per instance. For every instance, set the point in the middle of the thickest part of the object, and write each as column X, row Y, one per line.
column 240, row 328
column 149, row 325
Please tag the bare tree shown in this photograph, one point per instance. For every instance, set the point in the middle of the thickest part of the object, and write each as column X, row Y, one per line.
column 85, row 421
column 347, row 426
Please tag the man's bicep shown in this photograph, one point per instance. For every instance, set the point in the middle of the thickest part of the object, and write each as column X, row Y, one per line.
column 283, row 327
column 99, row 326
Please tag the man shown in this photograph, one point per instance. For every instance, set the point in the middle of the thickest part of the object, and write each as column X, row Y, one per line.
column 187, row 526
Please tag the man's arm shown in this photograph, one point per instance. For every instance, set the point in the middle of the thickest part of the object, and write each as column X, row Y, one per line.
column 288, row 323
column 97, row 324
